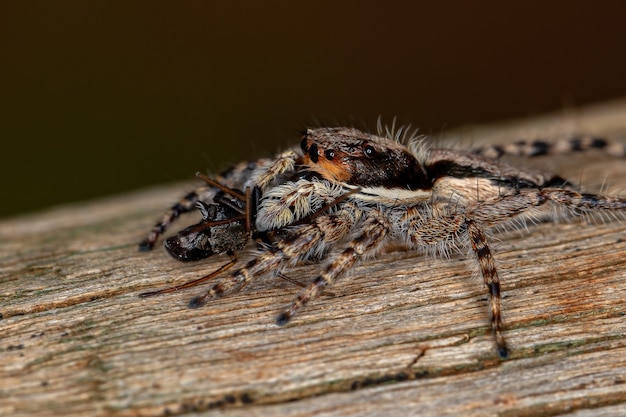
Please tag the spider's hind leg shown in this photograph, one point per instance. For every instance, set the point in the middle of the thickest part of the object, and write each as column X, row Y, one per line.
column 584, row 202
column 538, row 147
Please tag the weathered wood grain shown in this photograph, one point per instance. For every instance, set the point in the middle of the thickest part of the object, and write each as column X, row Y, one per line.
column 402, row 335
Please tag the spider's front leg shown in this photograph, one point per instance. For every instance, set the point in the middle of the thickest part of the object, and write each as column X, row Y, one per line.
column 283, row 163
column 184, row 205
column 293, row 202
column 374, row 230
column 302, row 242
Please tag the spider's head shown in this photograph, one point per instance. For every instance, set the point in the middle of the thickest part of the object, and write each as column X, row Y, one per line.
column 349, row 156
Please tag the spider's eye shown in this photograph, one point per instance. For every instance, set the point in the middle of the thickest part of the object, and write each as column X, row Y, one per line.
column 304, row 144
column 330, row 154
column 369, row 151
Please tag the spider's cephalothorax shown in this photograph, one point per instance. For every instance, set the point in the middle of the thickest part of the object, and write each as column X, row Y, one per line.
column 352, row 157
column 356, row 192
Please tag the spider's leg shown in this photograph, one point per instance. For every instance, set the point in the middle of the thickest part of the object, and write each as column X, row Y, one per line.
column 184, row 205
column 509, row 207
column 489, row 272
column 489, row 214
column 538, row 147
column 444, row 230
column 586, row 203
column 374, row 231
column 303, row 241
column 299, row 284
column 284, row 162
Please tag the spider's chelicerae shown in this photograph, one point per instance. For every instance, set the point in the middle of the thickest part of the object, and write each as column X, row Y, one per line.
column 345, row 195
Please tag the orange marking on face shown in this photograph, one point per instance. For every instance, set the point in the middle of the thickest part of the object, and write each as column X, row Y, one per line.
column 330, row 170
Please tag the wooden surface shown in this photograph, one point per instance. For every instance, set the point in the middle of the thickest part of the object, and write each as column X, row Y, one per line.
column 403, row 335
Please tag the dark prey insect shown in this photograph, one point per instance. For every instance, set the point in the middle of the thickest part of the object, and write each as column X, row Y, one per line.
column 348, row 194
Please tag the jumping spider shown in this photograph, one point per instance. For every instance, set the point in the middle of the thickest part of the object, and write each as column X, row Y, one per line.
column 355, row 193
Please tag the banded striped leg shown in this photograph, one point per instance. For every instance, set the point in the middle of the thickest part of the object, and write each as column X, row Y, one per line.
column 582, row 201
column 435, row 230
column 509, row 208
column 305, row 241
column 184, row 205
column 491, row 214
column 533, row 148
column 375, row 230
column 443, row 231
column 488, row 270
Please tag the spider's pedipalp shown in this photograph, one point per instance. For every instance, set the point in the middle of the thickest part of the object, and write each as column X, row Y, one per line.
column 290, row 202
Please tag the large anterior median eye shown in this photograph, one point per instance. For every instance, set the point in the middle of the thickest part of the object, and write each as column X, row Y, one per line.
column 369, row 151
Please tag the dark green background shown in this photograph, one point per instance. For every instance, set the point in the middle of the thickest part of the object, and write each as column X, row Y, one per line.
column 99, row 97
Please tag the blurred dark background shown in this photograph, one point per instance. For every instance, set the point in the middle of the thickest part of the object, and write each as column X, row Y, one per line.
column 101, row 97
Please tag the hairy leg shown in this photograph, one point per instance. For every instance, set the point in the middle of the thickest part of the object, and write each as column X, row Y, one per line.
column 305, row 241
column 373, row 233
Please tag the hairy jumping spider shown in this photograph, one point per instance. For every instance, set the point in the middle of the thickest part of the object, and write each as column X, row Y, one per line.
column 355, row 193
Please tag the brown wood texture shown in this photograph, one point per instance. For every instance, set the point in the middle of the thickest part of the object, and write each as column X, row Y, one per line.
column 403, row 334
